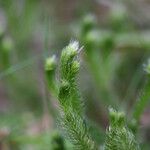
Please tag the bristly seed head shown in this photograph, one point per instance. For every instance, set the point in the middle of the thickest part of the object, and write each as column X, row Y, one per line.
column 74, row 45
column 73, row 48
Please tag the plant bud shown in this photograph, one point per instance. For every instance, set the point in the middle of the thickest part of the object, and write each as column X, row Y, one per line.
column 50, row 63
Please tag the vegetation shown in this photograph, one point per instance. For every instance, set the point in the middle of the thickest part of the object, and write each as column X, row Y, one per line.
column 93, row 94
column 118, row 134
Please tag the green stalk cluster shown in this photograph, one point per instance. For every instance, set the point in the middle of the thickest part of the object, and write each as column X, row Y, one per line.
column 72, row 119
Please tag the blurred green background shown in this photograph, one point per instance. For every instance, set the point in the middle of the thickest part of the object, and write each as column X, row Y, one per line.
column 116, row 39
